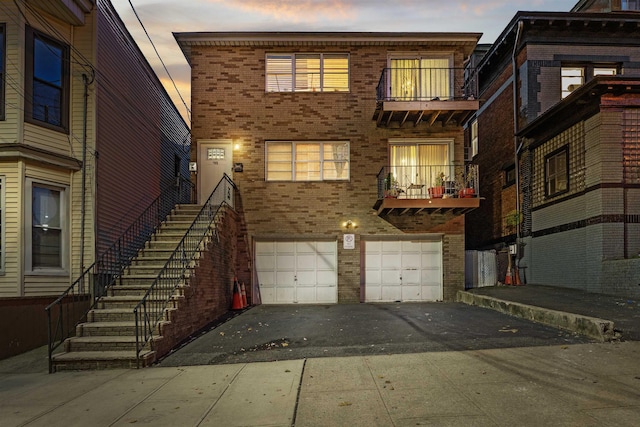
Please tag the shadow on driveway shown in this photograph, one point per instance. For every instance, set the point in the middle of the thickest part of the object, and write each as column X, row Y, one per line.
column 285, row 332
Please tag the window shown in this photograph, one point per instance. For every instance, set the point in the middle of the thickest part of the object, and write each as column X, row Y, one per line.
column 308, row 72
column 509, row 175
column 421, row 164
column 2, row 221
column 307, row 161
column 474, row 138
column 2, row 67
column 47, row 244
column 630, row 5
column 574, row 77
column 47, row 85
column 556, row 172
column 420, row 79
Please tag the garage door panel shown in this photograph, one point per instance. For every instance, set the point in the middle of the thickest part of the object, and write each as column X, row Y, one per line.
column 403, row 271
column 297, row 271
column 391, row 293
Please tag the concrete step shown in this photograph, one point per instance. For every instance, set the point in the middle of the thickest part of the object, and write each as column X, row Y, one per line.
column 94, row 360
column 145, row 269
column 102, row 343
column 111, row 315
column 98, row 329
column 124, row 302
column 171, row 244
column 139, row 290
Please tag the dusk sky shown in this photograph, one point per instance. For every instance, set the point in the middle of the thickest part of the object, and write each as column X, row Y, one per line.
column 162, row 17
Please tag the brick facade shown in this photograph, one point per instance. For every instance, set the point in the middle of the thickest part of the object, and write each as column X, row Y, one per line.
column 229, row 101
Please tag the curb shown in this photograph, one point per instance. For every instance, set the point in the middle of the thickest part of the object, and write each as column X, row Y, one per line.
column 598, row 329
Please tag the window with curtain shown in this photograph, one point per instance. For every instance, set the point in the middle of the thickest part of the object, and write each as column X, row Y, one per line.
column 556, row 172
column 307, row 161
column 420, row 164
column 420, row 79
column 307, row 72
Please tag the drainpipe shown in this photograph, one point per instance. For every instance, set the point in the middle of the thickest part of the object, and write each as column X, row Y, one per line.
column 86, row 82
column 516, row 141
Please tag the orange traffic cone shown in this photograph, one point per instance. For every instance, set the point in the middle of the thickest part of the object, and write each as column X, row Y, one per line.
column 507, row 279
column 237, row 298
column 516, row 277
column 244, row 295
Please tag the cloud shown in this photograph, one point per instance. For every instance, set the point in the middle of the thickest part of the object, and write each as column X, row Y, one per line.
column 293, row 10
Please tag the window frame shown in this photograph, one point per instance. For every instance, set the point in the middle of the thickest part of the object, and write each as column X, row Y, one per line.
column 3, row 70
column 548, row 177
column 31, row 36
column 294, row 74
column 473, row 132
column 509, row 175
column 294, row 161
column 2, row 224
column 63, row 269
column 589, row 71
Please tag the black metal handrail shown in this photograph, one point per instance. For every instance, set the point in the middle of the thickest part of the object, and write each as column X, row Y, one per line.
column 426, row 84
column 73, row 305
column 419, row 181
column 151, row 308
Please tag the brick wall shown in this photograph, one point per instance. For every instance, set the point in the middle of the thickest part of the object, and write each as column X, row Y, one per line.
column 229, row 101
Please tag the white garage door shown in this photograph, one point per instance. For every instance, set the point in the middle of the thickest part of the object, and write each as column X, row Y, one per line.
column 403, row 271
column 297, row 272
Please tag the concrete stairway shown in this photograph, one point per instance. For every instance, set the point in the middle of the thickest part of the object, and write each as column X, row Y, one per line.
column 107, row 339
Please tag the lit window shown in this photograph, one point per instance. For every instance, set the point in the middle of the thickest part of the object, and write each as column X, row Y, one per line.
column 420, row 79
column 556, row 172
column 47, row 74
column 474, row 138
column 309, row 72
column 46, row 237
column 307, row 161
column 572, row 78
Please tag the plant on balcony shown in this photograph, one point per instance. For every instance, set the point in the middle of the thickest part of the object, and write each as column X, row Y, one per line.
column 437, row 191
column 465, row 184
column 391, row 187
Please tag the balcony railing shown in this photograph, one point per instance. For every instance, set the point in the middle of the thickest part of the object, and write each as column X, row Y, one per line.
column 427, row 84
column 428, row 182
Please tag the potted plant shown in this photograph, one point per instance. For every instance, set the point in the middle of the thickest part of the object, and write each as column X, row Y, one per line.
column 437, row 191
column 467, row 189
column 390, row 186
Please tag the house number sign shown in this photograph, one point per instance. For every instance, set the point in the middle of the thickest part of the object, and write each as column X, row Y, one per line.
column 349, row 241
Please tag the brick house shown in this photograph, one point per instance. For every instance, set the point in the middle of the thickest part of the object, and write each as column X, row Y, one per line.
column 88, row 139
column 570, row 199
column 348, row 154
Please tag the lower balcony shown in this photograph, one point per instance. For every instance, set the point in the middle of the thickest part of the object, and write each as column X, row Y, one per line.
column 427, row 189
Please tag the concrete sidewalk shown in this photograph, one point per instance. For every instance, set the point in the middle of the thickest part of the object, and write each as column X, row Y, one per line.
column 576, row 385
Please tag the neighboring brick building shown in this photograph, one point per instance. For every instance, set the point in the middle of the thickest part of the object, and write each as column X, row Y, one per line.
column 335, row 141
column 570, row 199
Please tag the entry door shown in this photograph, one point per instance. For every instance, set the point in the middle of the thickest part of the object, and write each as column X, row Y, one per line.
column 403, row 271
column 215, row 158
column 302, row 272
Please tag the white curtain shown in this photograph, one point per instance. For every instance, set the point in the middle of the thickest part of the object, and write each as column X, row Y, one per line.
column 405, row 79
column 420, row 79
column 420, row 164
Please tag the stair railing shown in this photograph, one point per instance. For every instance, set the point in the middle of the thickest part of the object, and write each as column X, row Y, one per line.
column 73, row 305
column 152, row 307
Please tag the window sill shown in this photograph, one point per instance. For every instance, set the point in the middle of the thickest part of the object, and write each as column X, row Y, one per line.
column 57, row 272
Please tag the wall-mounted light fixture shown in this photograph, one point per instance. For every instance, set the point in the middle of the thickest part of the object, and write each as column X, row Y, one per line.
column 236, row 147
column 350, row 225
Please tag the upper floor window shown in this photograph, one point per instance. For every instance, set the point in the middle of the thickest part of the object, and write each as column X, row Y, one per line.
column 630, row 5
column 474, row 138
column 307, row 72
column 47, row 81
column 420, row 78
column 556, row 172
column 307, row 161
column 2, row 76
column 575, row 76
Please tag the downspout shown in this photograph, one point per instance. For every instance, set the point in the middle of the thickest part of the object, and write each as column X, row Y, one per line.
column 516, row 141
column 86, row 82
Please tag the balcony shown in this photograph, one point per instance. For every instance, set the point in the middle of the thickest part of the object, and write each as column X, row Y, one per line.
column 429, row 189
column 425, row 95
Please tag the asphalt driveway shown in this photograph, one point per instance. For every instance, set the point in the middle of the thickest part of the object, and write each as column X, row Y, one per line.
column 285, row 332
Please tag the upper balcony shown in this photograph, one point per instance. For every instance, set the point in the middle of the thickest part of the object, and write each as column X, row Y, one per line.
column 428, row 95
column 432, row 189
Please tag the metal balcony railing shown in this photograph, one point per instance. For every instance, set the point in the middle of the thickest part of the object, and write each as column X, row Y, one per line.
column 428, row 181
column 152, row 308
column 72, row 307
column 427, row 84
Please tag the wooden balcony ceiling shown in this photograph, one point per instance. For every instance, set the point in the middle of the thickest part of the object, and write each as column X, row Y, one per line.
column 457, row 206
column 430, row 112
